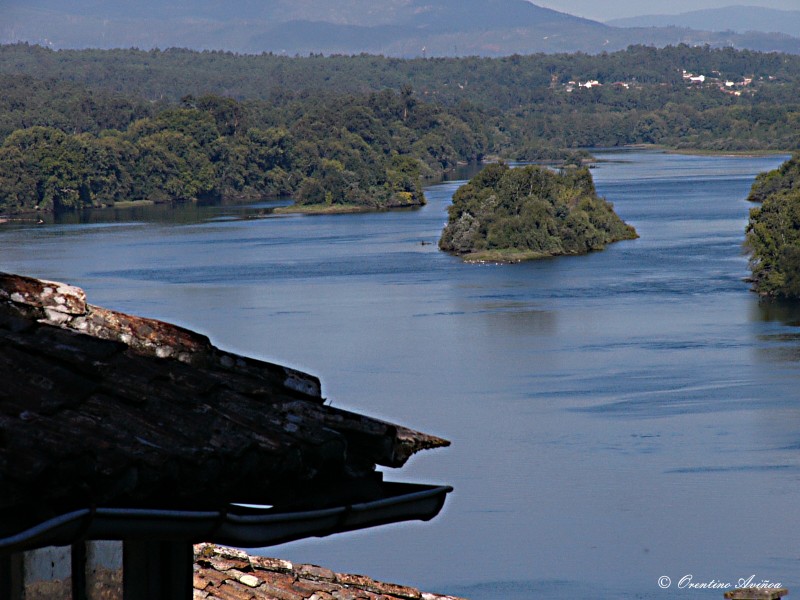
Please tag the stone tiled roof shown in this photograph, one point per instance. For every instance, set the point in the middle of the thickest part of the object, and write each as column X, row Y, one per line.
column 99, row 408
column 222, row 573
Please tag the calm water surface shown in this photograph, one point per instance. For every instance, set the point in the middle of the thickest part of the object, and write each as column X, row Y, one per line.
column 615, row 418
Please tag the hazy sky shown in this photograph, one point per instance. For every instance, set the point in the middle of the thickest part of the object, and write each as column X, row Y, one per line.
column 604, row 10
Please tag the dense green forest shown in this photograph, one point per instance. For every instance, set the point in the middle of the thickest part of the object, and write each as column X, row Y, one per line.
column 783, row 180
column 508, row 215
column 773, row 233
column 644, row 96
column 90, row 127
column 75, row 149
column 503, row 83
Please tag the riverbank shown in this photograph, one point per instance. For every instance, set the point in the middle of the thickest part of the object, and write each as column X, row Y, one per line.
column 17, row 219
column 705, row 151
column 511, row 256
column 503, row 257
column 336, row 209
column 323, row 209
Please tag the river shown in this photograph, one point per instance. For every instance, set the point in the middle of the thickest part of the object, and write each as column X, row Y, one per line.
column 615, row 418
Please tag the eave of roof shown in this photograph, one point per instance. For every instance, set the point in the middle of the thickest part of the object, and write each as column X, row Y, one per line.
column 103, row 409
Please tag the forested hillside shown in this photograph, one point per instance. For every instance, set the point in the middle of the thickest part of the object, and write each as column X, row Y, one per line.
column 746, row 101
column 502, row 83
column 783, row 180
column 95, row 127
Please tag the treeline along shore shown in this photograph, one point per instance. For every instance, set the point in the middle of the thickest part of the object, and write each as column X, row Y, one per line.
column 92, row 128
column 328, row 151
column 773, row 233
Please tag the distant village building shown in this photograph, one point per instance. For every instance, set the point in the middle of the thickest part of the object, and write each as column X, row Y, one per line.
column 692, row 78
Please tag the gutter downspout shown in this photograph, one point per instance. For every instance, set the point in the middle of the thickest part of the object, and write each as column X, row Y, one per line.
column 157, row 570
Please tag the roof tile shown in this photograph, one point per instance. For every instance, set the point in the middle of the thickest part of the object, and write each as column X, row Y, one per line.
column 233, row 590
column 280, row 580
column 314, row 573
column 366, row 583
column 225, row 564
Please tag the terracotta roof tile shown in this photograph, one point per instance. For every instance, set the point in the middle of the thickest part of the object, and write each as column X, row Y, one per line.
column 366, row 583
column 311, row 587
column 226, row 564
column 271, row 564
column 229, row 574
column 208, row 579
column 313, row 573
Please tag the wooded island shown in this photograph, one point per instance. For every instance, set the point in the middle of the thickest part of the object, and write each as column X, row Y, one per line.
column 510, row 215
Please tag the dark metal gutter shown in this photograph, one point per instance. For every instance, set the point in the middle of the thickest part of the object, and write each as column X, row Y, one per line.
column 235, row 525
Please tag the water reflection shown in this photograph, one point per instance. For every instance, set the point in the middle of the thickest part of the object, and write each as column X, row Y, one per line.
column 174, row 213
column 780, row 345
column 784, row 311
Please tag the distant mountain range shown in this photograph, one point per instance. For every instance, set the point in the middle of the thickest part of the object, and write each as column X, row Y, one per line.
column 731, row 18
column 390, row 27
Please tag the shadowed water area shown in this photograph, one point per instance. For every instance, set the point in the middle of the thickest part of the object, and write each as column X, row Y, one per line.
column 615, row 417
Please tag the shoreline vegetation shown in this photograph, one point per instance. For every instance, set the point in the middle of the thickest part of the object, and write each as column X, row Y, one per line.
column 737, row 153
column 335, row 152
column 506, row 215
column 323, row 209
column 773, row 232
column 587, row 161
